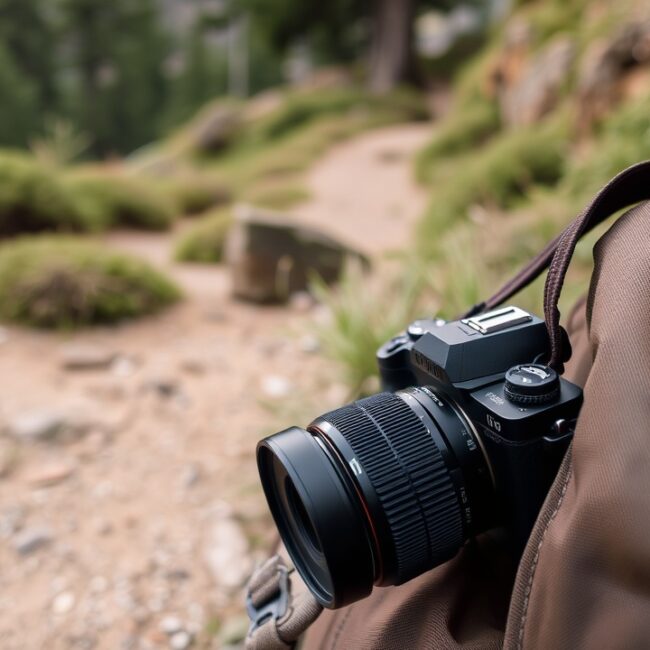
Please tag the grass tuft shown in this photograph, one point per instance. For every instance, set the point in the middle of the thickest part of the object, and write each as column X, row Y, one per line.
column 204, row 241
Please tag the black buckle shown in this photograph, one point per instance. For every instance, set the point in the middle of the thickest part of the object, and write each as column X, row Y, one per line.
column 274, row 608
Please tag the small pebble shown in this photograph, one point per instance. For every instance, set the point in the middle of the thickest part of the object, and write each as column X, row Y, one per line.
column 35, row 425
column 180, row 641
column 86, row 356
column 309, row 344
column 63, row 603
column 171, row 624
column 31, row 539
column 275, row 386
column 49, row 473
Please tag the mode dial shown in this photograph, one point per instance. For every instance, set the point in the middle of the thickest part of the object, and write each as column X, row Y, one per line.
column 532, row 384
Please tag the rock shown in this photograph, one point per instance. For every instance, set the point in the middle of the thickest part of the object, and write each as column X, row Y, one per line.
column 214, row 127
column 35, row 425
column 49, row 473
column 123, row 367
column 309, row 344
column 86, row 356
column 164, row 387
column 11, row 520
column 180, row 641
column 63, row 603
column 536, row 91
column 190, row 475
column 275, row 386
column 194, row 364
column 605, row 64
column 171, row 624
column 271, row 257
column 32, row 539
column 228, row 554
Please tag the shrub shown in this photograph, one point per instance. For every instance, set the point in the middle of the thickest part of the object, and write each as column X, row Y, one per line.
column 301, row 108
column 204, row 241
column 462, row 131
column 364, row 315
column 32, row 199
column 62, row 282
column 192, row 194
column 109, row 199
column 497, row 175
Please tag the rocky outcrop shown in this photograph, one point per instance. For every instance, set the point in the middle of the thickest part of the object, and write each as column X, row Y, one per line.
column 272, row 256
column 538, row 90
column 606, row 67
column 529, row 85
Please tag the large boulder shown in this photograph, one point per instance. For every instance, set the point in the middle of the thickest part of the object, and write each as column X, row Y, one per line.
column 272, row 256
column 213, row 127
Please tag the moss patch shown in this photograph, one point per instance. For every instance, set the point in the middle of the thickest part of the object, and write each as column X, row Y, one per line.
column 64, row 282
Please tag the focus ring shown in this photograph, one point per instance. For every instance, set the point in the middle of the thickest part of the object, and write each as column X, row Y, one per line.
column 409, row 475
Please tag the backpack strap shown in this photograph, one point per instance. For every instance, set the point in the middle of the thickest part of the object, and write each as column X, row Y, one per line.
column 627, row 188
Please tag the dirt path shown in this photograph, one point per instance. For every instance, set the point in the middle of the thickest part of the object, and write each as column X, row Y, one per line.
column 364, row 192
column 132, row 522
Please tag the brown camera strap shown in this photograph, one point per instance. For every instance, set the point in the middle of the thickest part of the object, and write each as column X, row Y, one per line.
column 627, row 188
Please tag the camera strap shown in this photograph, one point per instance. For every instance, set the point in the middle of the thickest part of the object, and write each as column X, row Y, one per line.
column 278, row 617
column 627, row 188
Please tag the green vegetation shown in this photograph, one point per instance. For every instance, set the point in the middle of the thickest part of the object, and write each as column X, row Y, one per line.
column 33, row 199
column 265, row 148
column 499, row 193
column 62, row 282
column 113, row 200
column 363, row 316
column 465, row 129
column 204, row 241
column 497, row 175
column 38, row 197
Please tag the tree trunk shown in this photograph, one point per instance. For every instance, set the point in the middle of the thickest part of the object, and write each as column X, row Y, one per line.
column 391, row 43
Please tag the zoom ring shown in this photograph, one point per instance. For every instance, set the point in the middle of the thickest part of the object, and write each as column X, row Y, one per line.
column 408, row 473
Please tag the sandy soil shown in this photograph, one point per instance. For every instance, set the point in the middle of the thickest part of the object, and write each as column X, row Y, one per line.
column 135, row 526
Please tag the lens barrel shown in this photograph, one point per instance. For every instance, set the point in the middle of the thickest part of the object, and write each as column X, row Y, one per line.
column 376, row 492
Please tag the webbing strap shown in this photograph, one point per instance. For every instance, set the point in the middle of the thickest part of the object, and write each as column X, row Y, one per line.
column 277, row 618
column 627, row 188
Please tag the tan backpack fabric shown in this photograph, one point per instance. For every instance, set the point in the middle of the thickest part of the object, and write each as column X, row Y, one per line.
column 584, row 578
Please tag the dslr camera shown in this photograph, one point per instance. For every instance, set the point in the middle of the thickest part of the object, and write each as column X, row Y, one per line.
column 467, row 437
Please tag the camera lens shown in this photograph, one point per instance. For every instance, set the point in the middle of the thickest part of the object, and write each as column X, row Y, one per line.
column 376, row 492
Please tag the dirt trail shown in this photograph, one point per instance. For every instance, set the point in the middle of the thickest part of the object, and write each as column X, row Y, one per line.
column 134, row 530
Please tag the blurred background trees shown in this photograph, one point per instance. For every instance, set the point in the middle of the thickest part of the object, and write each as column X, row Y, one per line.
column 123, row 72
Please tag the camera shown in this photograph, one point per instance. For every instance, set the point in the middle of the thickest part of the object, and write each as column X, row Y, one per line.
column 467, row 437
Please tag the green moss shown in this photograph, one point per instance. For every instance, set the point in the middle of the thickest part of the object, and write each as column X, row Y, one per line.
column 64, row 282
column 117, row 200
column 32, row 199
column 204, row 241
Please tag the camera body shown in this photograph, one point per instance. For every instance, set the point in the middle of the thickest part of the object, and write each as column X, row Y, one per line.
column 522, row 430
column 467, row 436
